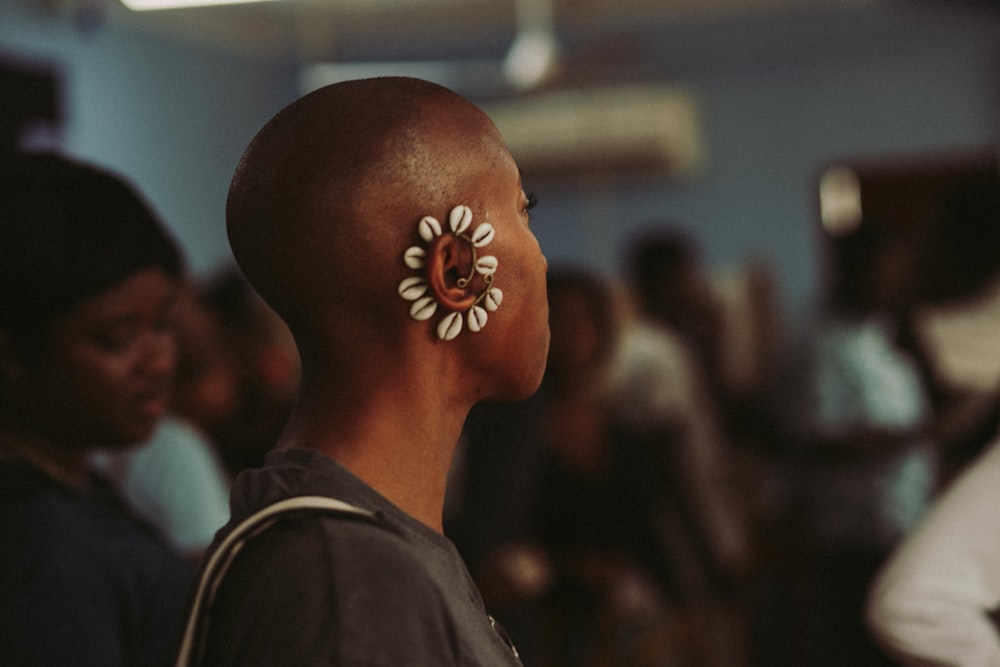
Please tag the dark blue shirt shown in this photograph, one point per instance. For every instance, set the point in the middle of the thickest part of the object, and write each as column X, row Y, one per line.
column 82, row 581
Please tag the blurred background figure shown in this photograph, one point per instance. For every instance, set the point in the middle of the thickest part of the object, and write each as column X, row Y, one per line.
column 261, row 363
column 935, row 600
column 698, row 353
column 727, row 318
column 673, row 290
column 626, row 524
column 87, row 282
column 953, row 323
column 858, row 459
column 176, row 479
column 604, row 488
column 208, row 381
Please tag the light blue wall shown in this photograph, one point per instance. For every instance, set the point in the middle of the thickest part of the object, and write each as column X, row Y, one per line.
column 173, row 118
column 780, row 101
column 781, row 98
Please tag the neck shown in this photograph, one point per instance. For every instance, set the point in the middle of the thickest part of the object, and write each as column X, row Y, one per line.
column 398, row 437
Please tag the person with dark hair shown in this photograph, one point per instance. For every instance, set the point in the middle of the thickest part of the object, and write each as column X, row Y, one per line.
column 952, row 324
column 935, row 601
column 265, row 365
column 607, row 545
column 674, row 370
column 671, row 287
column 87, row 277
column 176, row 479
column 604, row 492
column 857, row 459
column 384, row 220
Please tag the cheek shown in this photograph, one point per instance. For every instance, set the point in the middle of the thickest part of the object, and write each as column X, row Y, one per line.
column 97, row 369
column 92, row 387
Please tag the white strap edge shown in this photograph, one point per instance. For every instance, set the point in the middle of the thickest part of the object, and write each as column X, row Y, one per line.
column 232, row 540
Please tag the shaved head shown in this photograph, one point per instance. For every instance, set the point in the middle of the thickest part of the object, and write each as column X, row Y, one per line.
column 328, row 194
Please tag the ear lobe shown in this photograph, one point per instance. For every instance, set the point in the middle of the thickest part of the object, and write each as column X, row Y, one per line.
column 447, row 272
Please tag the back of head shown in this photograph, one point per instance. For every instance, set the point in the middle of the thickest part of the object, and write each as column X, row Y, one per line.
column 327, row 195
column 69, row 231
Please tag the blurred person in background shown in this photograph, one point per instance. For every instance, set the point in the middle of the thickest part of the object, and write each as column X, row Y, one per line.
column 672, row 289
column 262, row 371
column 936, row 600
column 604, row 487
column 858, row 465
column 87, row 282
column 951, row 326
column 176, row 479
column 624, row 506
column 726, row 318
column 695, row 354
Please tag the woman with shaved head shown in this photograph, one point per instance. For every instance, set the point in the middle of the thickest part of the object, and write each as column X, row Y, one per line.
column 385, row 221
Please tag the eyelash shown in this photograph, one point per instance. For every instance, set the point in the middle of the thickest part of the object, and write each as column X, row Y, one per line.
column 532, row 201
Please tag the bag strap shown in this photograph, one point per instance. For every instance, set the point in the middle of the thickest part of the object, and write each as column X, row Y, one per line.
column 220, row 560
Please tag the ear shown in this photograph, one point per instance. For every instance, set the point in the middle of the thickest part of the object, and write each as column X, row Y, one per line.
column 449, row 261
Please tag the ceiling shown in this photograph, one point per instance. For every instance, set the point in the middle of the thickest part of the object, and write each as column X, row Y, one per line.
column 348, row 29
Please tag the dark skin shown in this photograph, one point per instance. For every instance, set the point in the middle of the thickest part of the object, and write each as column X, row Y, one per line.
column 102, row 379
column 324, row 205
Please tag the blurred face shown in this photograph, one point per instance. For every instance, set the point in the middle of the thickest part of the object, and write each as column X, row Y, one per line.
column 105, row 378
column 576, row 334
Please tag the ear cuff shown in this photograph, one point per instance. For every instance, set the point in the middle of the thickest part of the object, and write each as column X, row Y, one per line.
column 416, row 289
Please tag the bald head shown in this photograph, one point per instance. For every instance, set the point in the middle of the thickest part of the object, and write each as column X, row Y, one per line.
column 328, row 194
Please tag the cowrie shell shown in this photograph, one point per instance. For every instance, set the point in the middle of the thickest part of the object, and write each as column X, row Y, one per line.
column 486, row 265
column 460, row 218
column 423, row 308
column 412, row 288
column 477, row 318
column 493, row 299
column 450, row 326
column 429, row 228
column 414, row 257
column 483, row 235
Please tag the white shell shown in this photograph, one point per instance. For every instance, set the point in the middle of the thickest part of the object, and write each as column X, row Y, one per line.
column 483, row 235
column 450, row 326
column 460, row 218
column 486, row 265
column 414, row 257
column 494, row 297
column 412, row 288
column 429, row 228
column 423, row 308
column 477, row 318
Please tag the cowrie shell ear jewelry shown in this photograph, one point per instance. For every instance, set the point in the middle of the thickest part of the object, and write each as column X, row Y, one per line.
column 416, row 290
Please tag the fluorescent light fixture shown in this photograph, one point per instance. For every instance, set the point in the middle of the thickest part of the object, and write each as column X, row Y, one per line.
column 840, row 200
column 534, row 54
column 149, row 5
column 532, row 58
